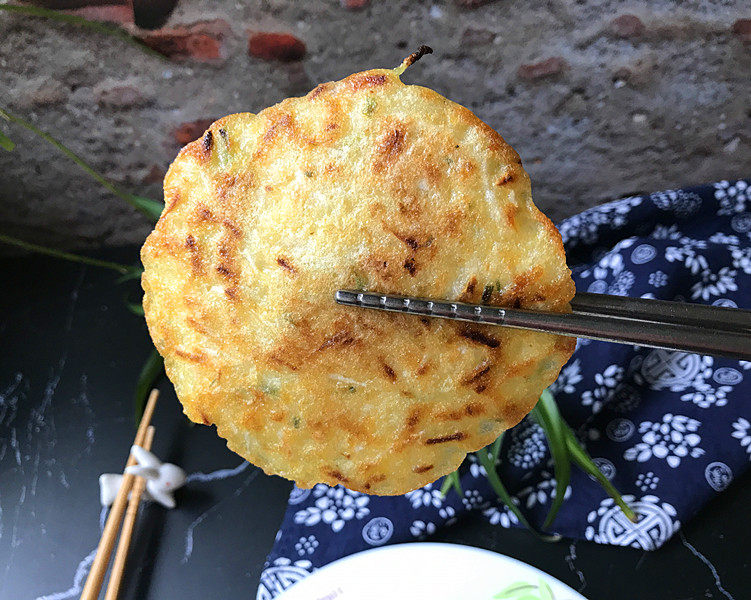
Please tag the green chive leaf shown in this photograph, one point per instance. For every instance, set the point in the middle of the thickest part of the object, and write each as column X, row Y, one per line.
column 495, row 448
column 544, row 591
column 151, row 208
column 495, row 482
column 547, row 416
column 6, row 143
column 452, row 481
column 135, row 308
column 446, row 485
column 519, row 586
column 133, row 273
column 6, row 239
column 585, row 463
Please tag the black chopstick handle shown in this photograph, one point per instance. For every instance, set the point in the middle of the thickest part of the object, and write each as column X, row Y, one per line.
column 686, row 313
column 610, row 328
column 604, row 327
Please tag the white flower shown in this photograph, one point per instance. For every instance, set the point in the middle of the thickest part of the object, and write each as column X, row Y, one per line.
column 472, row 499
column 681, row 203
column 306, row 545
column 686, row 253
column 612, row 261
column 708, row 396
column 528, row 444
column 672, row 439
column 661, row 232
column 622, row 284
column 742, row 259
column 608, row 382
column 732, row 196
column 500, row 516
column 647, row 481
column 673, row 254
column 723, row 238
column 580, row 228
column 611, row 264
column 425, row 496
column 283, row 561
column 542, row 491
column 743, row 433
column 658, row 279
column 333, row 506
column 585, row 226
column 475, row 468
column 688, row 256
column 421, row 528
column 714, row 284
column 695, row 262
column 618, row 209
column 447, row 512
column 610, row 377
column 570, row 375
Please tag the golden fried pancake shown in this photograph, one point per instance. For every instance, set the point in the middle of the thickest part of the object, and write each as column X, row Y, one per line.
column 364, row 183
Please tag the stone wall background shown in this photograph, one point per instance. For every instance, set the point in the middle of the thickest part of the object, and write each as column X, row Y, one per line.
column 600, row 98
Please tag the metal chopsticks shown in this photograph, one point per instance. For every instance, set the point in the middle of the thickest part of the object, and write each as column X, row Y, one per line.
column 732, row 319
column 719, row 331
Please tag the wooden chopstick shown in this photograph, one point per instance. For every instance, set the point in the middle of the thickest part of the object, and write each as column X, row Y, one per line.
column 123, row 544
column 101, row 561
column 703, row 337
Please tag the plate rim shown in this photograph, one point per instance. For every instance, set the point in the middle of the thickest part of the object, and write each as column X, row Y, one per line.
column 445, row 545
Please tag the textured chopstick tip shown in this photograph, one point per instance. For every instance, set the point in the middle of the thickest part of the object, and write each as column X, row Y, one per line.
column 345, row 297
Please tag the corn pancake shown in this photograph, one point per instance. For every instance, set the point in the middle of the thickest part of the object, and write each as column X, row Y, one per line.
column 363, row 183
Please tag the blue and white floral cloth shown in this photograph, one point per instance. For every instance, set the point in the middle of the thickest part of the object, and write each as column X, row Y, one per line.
column 669, row 429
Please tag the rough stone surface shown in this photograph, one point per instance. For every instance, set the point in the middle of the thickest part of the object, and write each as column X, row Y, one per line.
column 665, row 105
column 42, row 91
column 121, row 14
column 127, row 93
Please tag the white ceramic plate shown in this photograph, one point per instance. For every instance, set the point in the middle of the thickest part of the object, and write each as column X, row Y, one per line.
column 428, row 571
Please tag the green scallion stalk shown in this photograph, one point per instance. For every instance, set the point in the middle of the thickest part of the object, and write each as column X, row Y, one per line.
column 6, row 143
column 123, row 269
column 585, row 463
column 547, row 416
column 451, row 481
column 485, row 459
